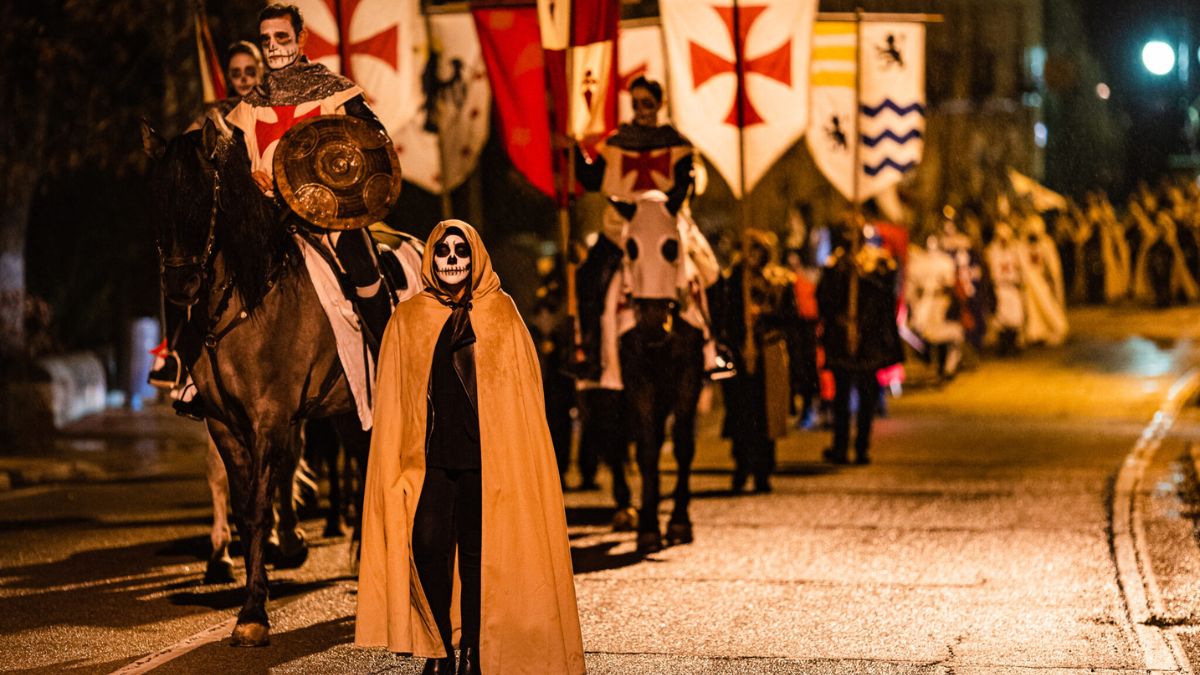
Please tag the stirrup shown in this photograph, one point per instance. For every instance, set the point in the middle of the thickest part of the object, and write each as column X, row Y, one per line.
column 168, row 375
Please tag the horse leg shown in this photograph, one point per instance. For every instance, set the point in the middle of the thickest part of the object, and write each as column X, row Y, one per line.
column 683, row 436
column 220, row 564
column 293, row 549
column 249, row 475
column 357, row 445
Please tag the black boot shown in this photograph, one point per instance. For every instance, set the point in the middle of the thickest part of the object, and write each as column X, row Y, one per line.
column 375, row 311
column 444, row 666
column 469, row 663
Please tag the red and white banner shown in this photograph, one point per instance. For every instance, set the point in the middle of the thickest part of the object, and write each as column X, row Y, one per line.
column 381, row 42
column 739, row 79
column 579, row 37
column 212, row 77
column 456, row 106
column 512, row 49
column 639, row 54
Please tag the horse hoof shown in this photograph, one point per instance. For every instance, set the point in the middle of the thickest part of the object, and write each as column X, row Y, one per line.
column 649, row 542
column 291, row 561
column 219, row 572
column 679, row 533
column 626, row 520
column 251, row 635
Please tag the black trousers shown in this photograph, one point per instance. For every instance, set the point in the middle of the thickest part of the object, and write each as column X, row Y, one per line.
column 746, row 425
column 868, row 398
column 449, row 513
column 603, row 436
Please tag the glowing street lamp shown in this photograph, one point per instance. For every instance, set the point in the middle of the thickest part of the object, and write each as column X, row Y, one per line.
column 1158, row 57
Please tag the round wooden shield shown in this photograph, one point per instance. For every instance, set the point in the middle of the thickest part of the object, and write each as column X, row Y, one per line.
column 337, row 172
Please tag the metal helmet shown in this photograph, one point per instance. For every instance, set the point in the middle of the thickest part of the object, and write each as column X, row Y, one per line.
column 337, row 172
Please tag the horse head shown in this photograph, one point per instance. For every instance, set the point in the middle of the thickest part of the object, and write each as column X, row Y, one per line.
column 654, row 251
column 207, row 204
column 185, row 185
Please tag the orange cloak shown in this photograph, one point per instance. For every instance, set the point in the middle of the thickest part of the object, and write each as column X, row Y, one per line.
column 529, row 622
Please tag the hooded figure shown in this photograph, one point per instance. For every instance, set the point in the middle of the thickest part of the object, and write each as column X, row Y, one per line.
column 529, row 620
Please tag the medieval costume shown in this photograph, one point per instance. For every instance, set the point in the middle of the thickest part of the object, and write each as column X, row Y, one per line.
column 856, row 356
column 287, row 95
column 934, row 306
column 1161, row 274
column 634, row 159
column 754, row 314
column 1004, row 268
column 1042, row 285
column 437, row 345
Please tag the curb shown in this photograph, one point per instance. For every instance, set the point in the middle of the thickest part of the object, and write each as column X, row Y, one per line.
column 1139, row 586
column 42, row 472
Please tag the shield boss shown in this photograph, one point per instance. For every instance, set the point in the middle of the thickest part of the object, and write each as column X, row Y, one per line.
column 337, row 172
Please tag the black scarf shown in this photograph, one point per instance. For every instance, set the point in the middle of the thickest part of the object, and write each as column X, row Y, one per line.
column 301, row 82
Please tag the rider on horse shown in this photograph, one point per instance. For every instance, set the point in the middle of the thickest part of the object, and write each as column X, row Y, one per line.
column 294, row 89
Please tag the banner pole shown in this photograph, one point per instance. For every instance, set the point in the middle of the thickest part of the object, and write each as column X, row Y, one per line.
column 740, row 73
column 443, row 165
column 564, row 209
column 856, row 226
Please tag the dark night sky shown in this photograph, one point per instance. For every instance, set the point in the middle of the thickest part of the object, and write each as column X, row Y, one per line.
column 1153, row 107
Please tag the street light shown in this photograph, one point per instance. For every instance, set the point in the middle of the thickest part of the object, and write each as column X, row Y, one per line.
column 1158, row 57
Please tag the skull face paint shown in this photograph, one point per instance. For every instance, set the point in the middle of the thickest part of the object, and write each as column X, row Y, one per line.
column 452, row 260
column 243, row 73
column 279, row 42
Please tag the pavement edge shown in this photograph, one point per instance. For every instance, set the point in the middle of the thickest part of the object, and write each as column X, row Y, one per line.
column 1139, row 586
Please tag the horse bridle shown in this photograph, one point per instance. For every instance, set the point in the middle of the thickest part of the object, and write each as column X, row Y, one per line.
column 201, row 260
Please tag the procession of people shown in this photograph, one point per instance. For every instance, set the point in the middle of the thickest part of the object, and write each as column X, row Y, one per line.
column 472, row 408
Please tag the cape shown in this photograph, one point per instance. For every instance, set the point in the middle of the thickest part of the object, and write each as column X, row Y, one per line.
column 637, row 138
column 529, row 618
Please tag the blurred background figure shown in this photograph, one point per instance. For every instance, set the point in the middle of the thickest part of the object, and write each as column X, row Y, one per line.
column 861, row 337
column 754, row 313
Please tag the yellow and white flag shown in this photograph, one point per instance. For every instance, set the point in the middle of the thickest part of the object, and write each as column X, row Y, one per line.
column 886, row 121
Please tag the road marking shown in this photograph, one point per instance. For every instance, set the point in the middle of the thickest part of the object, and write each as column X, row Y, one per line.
column 207, row 636
column 1160, row 647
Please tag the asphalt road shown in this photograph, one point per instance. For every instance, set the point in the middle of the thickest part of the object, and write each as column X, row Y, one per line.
column 978, row 542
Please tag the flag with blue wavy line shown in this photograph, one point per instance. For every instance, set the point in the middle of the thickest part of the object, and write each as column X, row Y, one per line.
column 887, row 122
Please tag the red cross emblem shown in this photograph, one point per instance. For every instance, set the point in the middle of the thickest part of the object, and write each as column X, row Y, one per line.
column 382, row 45
column 776, row 65
column 646, row 164
column 285, row 118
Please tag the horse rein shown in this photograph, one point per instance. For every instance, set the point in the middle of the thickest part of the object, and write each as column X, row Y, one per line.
column 204, row 258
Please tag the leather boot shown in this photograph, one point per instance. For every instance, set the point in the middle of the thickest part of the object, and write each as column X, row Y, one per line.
column 469, row 663
column 443, row 666
column 376, row 310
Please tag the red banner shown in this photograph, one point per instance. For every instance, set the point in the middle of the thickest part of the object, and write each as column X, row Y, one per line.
column 212, row 78
column 512, row 49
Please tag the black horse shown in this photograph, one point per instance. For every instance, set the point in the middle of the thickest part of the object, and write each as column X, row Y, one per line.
column 265, row 358
column 662, row 366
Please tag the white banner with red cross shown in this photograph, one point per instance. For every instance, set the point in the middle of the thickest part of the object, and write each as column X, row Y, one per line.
column 739, row 80
column 382, row 41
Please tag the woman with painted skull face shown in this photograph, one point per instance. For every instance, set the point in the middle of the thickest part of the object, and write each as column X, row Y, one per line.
column 462, row 458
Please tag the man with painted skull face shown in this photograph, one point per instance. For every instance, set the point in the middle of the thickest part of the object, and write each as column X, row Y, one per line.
column 461, row 457
column 294, row 89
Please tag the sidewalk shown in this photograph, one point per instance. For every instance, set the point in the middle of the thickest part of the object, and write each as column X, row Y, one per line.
column 115, row 445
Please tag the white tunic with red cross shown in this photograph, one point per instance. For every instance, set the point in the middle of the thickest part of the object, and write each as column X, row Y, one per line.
column 263, row 126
